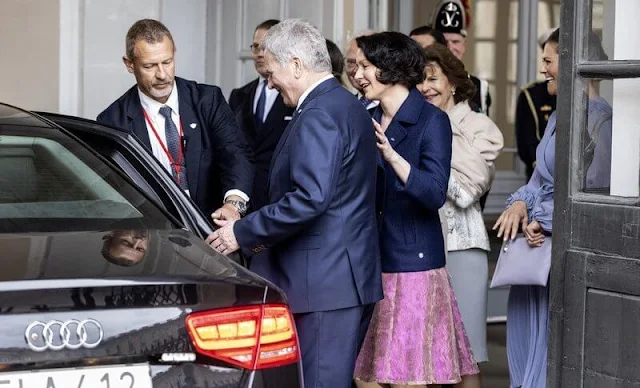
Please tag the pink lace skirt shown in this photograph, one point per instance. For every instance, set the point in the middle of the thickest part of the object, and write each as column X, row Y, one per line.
column 416, row 335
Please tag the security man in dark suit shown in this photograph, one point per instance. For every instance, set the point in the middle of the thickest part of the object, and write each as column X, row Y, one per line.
column 187, row 126
column 262, row 117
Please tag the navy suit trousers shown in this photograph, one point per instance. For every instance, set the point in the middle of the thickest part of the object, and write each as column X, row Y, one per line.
column 330, row 342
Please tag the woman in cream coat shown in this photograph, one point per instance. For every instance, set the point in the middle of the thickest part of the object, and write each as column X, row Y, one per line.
column 477, row 142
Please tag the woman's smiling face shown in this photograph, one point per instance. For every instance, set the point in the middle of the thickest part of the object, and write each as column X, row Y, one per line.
column 367, row 78
column 436, row 87
column 550, row 67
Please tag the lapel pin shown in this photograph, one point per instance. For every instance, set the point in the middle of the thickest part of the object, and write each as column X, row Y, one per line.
column 193, row 125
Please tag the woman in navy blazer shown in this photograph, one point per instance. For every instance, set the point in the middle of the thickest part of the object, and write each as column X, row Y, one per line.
column 416, row 336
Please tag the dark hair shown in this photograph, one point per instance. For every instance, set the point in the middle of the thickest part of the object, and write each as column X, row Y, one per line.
column 595, row 52
column 553, row 38
column 428, row 30
column 453, row 68
column 149, row 30
column 337, row 60
column 399, row 59
column 267, row 24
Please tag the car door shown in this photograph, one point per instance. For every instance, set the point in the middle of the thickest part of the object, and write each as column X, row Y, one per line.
column 124, row 151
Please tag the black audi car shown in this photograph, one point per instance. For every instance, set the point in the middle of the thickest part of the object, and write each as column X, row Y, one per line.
column 105, row 280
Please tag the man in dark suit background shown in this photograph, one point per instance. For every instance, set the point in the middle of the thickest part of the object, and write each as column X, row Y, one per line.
column 187, row 126
column 320, row 224
column 262, row 117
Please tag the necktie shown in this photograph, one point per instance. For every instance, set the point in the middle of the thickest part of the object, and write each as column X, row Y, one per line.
column 173, row 146
column 364, row 101
column 262, row 100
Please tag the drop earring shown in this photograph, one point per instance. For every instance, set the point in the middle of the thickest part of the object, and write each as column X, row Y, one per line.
column 453, row 92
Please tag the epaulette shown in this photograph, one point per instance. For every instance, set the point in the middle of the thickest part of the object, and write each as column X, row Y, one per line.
column 530, row 84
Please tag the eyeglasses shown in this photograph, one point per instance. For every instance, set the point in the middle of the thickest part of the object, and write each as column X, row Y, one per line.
column 255, row 48
column 350, row 64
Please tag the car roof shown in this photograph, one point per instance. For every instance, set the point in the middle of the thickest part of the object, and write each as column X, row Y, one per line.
column 10, row 115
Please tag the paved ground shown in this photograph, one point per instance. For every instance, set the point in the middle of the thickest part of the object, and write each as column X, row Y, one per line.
column 495, row 373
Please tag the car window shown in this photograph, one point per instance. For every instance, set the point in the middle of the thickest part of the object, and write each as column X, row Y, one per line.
column 120, row 161
column 122, row 158
column 51, row 182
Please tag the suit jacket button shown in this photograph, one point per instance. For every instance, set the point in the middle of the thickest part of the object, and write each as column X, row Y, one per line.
column 421, row 255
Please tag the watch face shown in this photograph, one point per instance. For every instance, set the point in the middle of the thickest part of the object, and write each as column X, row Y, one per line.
column 240, row 205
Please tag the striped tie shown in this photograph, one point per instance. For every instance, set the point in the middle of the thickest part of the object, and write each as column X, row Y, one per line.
column 173, row 145
column 364, row 101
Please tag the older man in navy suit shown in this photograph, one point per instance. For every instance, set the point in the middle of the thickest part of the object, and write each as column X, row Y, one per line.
column 320, row 224
column 187, row 126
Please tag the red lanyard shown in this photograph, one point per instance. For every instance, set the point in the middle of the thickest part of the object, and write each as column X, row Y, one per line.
column 177, row 165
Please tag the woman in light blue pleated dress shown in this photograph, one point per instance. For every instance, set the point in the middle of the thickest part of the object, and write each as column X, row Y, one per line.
column 531, row 207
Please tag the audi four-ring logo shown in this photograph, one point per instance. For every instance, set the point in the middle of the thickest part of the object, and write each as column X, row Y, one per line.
column 57, row 335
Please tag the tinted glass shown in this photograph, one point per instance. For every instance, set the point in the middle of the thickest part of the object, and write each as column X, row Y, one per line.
column 50, row 182
column 10, row 115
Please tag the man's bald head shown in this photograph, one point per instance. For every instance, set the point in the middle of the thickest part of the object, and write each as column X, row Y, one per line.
column 350, row 51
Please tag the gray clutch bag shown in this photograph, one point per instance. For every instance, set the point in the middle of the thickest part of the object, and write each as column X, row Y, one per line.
column 521, row 265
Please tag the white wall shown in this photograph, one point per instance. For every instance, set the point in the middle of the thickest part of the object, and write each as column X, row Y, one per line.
column 66, row 55
column 29, row 37
column 625, row 163
column 608, row 41
column 94, row 43
column 212, row 39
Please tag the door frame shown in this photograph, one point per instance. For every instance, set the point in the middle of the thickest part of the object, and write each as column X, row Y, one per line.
column 574, row 268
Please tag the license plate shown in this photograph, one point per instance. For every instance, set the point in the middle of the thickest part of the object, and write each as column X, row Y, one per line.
column 121, row 376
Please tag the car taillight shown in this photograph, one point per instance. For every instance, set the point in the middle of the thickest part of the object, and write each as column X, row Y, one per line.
column 252, row 337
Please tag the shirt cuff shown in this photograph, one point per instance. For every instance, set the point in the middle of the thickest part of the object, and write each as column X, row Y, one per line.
column 237, row 192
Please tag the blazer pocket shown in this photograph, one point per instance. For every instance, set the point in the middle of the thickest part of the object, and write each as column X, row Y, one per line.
column 409, row 228
column 304, row 242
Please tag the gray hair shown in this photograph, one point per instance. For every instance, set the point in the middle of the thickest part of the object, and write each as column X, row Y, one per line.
column 149, row 30
column 298, row 38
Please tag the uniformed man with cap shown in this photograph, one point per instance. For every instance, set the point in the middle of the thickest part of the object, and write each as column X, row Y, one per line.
column 533, row 109
column 451, row 17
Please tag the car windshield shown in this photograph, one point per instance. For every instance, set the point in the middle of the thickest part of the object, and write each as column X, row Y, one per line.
column 50, row 182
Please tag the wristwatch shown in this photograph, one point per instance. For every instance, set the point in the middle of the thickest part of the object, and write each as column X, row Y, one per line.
column 241, row 206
